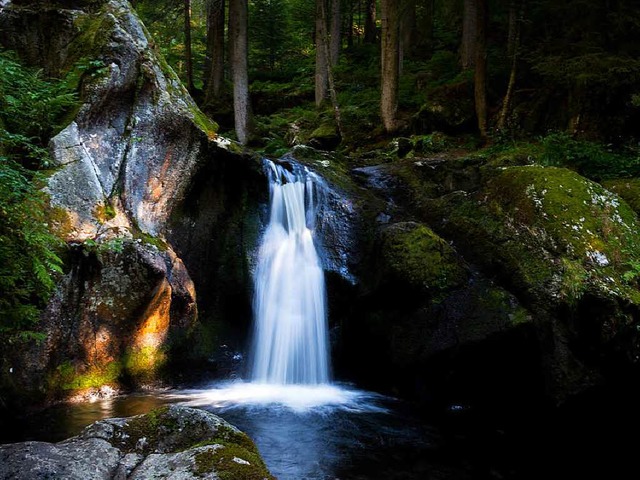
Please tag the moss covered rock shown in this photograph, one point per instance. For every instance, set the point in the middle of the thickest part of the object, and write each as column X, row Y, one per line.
column 413, row 256
column 170, row 442
column 551, row 232
column 325, row 137
column 626, row 188
column 568, row 249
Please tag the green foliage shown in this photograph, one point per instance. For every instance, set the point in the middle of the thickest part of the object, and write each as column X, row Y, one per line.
column 28, row 260
column 269, row 34
column 590, row 159
column 165, row 21
column 31, row 108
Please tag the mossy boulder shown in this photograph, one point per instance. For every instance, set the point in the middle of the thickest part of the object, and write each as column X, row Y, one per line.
column 425, row 302
column 113, row 321
column 170, row 442
column 626, row 188
column 412, row 256
column 552, row 233
column 325, row 137
column 568, row 249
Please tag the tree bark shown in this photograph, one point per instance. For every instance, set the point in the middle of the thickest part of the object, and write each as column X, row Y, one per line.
column 390, row 60
column 516, row 17
column 425, row 27
column 238, row 47
column 336, row 32
column 322, row 61
column 215, row 49
column 469, row 34
column 187, row 45
column 480, row 76
column 370, row 30
column 407, row 29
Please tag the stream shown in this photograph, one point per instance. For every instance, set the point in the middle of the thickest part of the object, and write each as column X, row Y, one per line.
column 315, row 433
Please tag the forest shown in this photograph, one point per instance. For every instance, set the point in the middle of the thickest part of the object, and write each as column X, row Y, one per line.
column 384, row 238
column 474, row 72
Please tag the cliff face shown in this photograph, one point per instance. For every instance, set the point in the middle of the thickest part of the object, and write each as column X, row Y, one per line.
column 130, row 170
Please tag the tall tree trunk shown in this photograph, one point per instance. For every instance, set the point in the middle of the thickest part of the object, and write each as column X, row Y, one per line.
column 323, row 45
column 407, row 29
column 238, row 47
column 322, row 61
column 187, row 45
column 469, row 34
column 370, row 30
column 215, row 49
column 513, row 27
column 336, row 32
column 390, row 60
column 350, row 29
column 425, row 27
column 516, row 17
column 480, row 77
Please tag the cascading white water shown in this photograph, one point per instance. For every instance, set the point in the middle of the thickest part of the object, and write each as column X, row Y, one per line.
column 290, row 337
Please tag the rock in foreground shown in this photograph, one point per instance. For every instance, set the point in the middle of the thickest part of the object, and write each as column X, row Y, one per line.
column 170, row 442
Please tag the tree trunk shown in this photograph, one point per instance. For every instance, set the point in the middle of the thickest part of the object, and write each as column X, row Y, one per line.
column 390, row 60
column 336, row 32
column 215, row 49
column 238, row 47
column 187, row 45
column 407, row 29
column 370, row 30
column 480, row 77
column 322, row 72
column 515, row 25
column 425, row 27
column 469, row 34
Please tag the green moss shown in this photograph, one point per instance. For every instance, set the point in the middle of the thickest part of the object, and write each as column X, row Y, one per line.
column 104, row 212
column 144, row 363
column 231, row 462
column 548, row 231
column 498, row 302
column 95, row 30
column 581, row 217
column 68, row 377
column 204, row 123
column 150, row 426
column 149, row 239
column 417, row 256
column 326, row 130
column 628, row 189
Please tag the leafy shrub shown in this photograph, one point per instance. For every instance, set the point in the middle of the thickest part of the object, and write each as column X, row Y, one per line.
column 590, row 159
column 31, row 110
column 27, row 251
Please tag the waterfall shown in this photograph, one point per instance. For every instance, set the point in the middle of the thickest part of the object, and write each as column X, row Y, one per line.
column 290, row 336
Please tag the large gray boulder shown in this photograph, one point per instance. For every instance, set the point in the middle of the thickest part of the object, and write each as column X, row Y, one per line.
column 170, row 442
column 128, row 172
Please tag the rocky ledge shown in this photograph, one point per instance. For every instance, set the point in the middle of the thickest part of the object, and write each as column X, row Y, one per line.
column 170, row 442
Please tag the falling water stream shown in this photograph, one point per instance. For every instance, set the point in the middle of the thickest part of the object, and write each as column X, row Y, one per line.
column 290, row 340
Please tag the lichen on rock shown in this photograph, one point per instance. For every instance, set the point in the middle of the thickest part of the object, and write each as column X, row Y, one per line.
column 169, row 442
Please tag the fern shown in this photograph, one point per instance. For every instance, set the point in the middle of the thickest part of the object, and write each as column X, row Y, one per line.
column 31, row 110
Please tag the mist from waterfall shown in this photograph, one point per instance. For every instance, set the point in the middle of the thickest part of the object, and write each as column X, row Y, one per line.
column 290, row 336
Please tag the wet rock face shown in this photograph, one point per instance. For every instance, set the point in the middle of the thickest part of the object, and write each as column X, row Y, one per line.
column 170, row 442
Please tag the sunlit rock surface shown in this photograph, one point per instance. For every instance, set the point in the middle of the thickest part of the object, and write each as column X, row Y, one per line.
column 125, row 171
